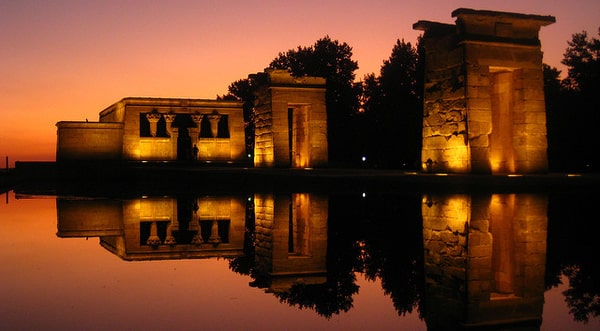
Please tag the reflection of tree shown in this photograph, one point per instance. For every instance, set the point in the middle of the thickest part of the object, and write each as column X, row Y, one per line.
column 363, row 237
column 583, row 295
column 334, row 296
column 570, row 237
column 395, row 256
column 331, row 298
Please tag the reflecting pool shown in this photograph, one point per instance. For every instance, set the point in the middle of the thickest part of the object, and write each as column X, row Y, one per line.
column 297, row 261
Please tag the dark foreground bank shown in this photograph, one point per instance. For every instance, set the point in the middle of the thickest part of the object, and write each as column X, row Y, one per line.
column 167, row 178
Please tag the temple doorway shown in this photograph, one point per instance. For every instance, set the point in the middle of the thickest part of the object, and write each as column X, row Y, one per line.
column 298, row 133
column 184, row 145
column 503, row 107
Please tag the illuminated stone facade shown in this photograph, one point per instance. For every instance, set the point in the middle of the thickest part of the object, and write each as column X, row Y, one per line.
column 290, row 121
column 484, row 109
column 158, row 129
column 485, row 260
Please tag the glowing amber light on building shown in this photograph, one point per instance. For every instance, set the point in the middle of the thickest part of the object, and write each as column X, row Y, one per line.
column 483, row 107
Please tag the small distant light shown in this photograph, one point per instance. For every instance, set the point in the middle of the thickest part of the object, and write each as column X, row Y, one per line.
column 208, row 161
column 364, row 195
column 573, row 175
column 441, row 174
column 249, row 155
column 249, row 198
column 515, row 175
column 410, row 173
column 165, row 161
column 229, row 162
column 144, row 161
column 144, row 197
column 364, row 158
column 308, row 168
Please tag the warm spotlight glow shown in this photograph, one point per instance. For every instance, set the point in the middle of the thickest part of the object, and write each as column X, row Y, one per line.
column 457, row 159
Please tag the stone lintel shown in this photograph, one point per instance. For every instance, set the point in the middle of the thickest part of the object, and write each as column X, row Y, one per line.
column 495, row 16
column 434, row 28
column 500, row 27
column 283, row 78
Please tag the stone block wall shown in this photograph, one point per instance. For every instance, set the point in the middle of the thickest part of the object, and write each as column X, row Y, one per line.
column 290, row 112
column 484, row 109
column 88, row 141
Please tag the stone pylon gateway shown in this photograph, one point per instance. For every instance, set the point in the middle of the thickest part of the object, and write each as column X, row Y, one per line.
column 484, row 108
column 291, row 120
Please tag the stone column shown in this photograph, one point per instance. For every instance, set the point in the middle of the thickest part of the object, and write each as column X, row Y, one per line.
column 169, row 118
column 214, row 119
column 195, row 132
column 153, row 239
column 194, row 226
column 153, row 118
column 170, row 239
column 214, row 238
column 174, row 136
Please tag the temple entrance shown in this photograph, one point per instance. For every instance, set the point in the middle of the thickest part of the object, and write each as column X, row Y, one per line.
column 184, row 145
column 298, row 133
column 502, row 88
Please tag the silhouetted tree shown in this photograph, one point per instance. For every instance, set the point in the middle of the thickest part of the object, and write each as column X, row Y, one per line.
column 582, row 57
column 558, row 121
column 242, row 90
column 573, row 107
column 392, row 104
column 332, row 60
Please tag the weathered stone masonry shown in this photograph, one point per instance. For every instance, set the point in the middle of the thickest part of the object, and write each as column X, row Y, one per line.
column 484, row 108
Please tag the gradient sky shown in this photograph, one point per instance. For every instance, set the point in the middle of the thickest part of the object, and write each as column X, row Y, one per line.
column 68, row 60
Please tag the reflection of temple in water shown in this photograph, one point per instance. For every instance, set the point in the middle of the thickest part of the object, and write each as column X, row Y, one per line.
column 484, row 261
column 290, row 231
column 484, row 255
column 159, row 227
column 291, row 240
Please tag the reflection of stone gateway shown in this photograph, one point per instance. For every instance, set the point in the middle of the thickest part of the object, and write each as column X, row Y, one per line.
column 484, row 260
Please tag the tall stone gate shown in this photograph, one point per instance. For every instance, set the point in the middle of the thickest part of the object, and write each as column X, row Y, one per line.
column 291, row 121
column 484, row 109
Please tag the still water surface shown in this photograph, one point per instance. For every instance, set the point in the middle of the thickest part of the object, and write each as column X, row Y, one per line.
column 297, row 262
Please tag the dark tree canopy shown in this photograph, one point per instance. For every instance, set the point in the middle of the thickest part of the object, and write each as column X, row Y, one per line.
column 573, row 107
column 392, row 109
column 582, row 57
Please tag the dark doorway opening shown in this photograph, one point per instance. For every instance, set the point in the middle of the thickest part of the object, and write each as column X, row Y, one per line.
column 184, row 145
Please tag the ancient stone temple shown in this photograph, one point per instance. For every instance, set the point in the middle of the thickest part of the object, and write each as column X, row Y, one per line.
column 484, row 108
column 291, row 121
column 158, row 129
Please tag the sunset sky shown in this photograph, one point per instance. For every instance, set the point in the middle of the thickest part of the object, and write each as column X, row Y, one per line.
column 68, row 60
